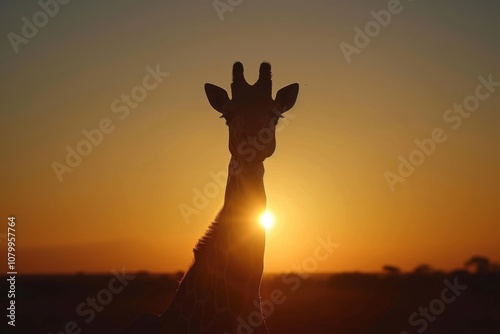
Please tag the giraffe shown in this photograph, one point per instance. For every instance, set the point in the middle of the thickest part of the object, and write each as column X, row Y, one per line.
column 220, row 293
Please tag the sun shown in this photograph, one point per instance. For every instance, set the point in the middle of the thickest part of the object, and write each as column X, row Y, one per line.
column 267, row 220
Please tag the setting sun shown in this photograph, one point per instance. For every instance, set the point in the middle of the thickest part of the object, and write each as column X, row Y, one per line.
column 267, row 220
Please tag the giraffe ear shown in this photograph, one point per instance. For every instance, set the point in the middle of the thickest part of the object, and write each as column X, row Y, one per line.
column 216, row 96
column 287, row 96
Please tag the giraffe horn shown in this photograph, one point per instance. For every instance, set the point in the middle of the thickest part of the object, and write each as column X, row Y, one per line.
column 239, row 83
column 265, row 72
column 238, row 76
column 265, row 81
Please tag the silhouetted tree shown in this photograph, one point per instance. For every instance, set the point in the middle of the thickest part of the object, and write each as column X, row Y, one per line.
column 391, row 270
column 495, row 268
column 481, row 264
column 423, row 269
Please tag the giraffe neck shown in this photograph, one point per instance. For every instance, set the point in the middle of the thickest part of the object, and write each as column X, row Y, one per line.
column 244, row 202
column 222, row 286
column 245, row 197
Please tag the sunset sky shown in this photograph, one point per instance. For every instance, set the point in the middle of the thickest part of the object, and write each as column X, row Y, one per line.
column 120, row 207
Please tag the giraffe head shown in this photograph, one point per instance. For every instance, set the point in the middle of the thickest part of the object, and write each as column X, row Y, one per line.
column 252, row 114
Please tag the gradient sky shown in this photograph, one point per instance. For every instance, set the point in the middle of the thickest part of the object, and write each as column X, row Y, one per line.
column 120, row 206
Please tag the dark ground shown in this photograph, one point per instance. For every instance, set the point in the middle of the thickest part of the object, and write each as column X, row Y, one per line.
column 333, row 304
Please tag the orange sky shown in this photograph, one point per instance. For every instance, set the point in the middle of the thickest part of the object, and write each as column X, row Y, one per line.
column 120, row 206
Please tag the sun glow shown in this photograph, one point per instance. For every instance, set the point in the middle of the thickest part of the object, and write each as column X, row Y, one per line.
column 267, row 220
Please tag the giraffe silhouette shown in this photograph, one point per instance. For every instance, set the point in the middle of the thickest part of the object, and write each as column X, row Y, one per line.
column 220, row 292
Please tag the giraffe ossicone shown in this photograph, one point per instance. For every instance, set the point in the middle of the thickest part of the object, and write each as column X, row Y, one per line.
column 220, row 292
